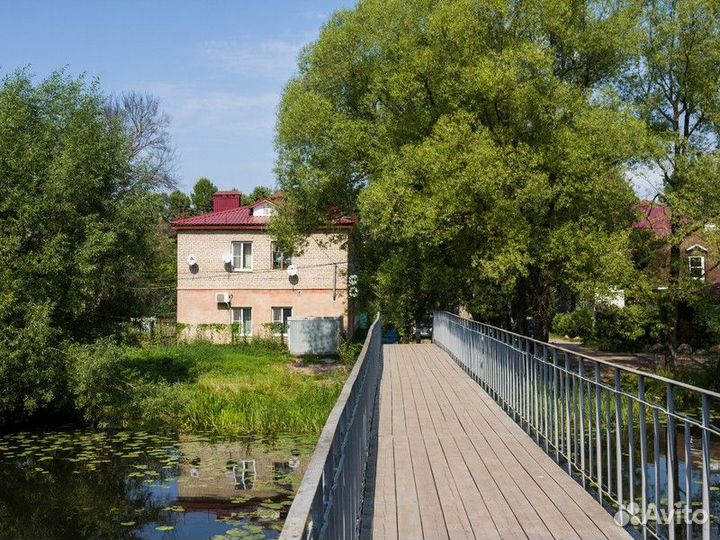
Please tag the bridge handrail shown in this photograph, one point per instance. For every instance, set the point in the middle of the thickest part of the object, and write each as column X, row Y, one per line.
column 592, row 414
column 329, row 500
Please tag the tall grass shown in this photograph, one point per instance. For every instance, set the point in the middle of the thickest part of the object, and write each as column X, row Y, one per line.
column 225, row 389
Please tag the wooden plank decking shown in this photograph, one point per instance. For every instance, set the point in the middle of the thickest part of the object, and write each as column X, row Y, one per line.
column 449, row 463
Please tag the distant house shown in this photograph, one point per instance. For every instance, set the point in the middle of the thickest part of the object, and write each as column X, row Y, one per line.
column 701, row 260
column 231, row 275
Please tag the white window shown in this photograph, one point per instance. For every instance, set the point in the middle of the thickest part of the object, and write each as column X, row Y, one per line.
column 242, row 256
column 280, row 261
column 697, row 266
column 281, row 315
column 243, row 318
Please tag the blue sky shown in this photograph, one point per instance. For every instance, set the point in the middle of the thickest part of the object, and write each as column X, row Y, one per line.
column 218, row 67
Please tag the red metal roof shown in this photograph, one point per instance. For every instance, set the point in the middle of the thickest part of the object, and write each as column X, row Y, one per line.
column 238, row 218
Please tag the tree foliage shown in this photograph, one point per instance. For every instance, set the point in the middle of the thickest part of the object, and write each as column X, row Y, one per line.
column 257, row 194
column 78, row 231
column 674, row 86
column 202, row 195
column 481, row 145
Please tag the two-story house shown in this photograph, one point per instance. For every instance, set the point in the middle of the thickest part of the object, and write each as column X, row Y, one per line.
column 231, row 275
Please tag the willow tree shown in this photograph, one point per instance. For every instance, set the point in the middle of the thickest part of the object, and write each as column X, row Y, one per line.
column 479, row 144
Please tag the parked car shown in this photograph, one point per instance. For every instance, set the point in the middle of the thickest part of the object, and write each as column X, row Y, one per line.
column 422, row 330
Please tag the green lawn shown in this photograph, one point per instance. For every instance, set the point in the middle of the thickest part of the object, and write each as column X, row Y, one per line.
column 235, row 389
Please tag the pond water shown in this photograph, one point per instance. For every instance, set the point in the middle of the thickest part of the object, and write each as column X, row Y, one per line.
column 79, row 484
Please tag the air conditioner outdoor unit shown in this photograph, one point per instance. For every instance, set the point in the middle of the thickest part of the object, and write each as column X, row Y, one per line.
column 222, row 298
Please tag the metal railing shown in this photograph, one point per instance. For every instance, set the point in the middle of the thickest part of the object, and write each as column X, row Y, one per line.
column 328, row 503
column 643, row 445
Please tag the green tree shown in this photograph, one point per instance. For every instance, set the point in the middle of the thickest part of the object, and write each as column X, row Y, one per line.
column 674, row 85
column 480, row 144
column 202, row 195
column 77, row 232
column 257, row 194
column 179, row 205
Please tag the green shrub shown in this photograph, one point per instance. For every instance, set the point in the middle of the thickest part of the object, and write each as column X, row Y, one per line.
column 706, row 323
column 108, row 392
column 631, row 328
column 32, row 368
column 578, row 323
column 349, row 352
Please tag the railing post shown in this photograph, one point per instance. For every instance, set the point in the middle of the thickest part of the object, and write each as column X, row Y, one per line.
column 643, row 448
column 671, row 459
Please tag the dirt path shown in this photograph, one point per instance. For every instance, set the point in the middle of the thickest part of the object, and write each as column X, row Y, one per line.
column 642, row 361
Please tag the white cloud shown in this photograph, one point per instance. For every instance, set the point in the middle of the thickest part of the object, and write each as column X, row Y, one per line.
column 272, row 57
column 218, row 112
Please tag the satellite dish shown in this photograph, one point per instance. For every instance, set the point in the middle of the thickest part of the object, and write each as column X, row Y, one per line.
column 227, row 257
column 292, row 270
column 192, row 260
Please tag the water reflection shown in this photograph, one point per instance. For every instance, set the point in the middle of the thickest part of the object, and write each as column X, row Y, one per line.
column 87, row 484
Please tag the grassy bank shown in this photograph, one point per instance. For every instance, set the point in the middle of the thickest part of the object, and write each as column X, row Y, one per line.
column 201, row 387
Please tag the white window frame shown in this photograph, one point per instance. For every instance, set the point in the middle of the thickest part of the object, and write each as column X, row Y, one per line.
column 701, row 277
column 242, row 331
column 273, row 250
column 242, row 244
column 282, row 309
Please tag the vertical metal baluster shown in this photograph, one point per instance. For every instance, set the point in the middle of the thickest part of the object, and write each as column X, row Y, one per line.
column 631, row 451
column 546, row 429
column 535, row 393
column 598, row 438
column 688, row 481
column 643, row 448
column 555, row 404
column 608, row 441
column 575, row 420
column 706, row 465
column 591, row 440
column 656, row 454
column 568, row 448
column 671, row 459
column 515, row 379
column 560, row 403
column 507, row 387
column 528, row 381
column 618, row 435
column 581, row 398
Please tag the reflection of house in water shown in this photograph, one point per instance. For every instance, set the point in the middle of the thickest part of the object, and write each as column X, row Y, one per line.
column 226, row 471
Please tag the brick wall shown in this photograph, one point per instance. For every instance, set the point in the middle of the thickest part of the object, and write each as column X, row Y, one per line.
column 315, row 265
column 262, row 288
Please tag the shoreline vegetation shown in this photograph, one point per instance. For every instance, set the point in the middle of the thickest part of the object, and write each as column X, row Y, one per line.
column 238, row 389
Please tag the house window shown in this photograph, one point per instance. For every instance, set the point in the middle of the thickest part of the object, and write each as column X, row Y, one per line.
column 242, row 256
column 243, row 318
column 697, row 266
column 281, row 315
column 280, row 261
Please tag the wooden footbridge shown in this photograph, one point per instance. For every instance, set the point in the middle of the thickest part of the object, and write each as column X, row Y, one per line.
column 488, row 434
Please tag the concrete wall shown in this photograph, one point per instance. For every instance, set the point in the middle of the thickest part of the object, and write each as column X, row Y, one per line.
column 310, row 295
column 314, row 336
